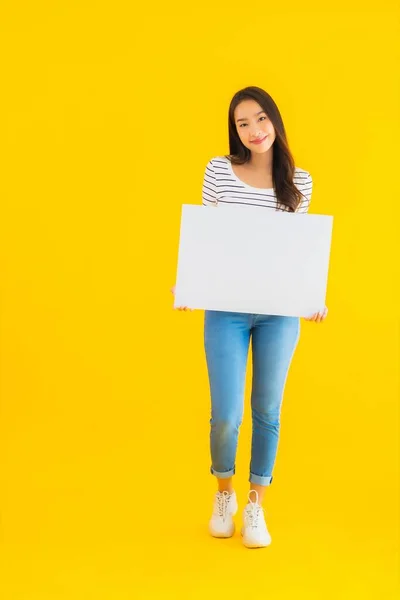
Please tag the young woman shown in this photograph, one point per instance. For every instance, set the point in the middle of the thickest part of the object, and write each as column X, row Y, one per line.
column 259, row 171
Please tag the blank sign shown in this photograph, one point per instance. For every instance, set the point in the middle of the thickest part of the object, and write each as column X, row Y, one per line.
column 252, row 260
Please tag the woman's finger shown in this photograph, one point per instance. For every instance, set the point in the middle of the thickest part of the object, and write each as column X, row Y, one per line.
column 318, row 316
column 323, row 315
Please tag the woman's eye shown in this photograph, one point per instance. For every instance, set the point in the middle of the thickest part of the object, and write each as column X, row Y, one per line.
column 241, row 125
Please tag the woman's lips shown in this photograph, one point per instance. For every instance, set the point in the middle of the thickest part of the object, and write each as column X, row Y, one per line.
column 259, row 141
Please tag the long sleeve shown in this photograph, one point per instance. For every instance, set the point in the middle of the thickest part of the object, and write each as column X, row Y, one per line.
column 307, row 191
column 209, row 191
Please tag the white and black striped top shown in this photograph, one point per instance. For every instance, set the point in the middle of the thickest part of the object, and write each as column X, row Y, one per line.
column 222, row 186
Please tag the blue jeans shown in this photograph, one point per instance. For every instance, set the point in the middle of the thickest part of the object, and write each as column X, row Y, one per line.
column 226, row 340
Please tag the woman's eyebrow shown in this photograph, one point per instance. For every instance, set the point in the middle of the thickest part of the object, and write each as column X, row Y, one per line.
column 259, row 113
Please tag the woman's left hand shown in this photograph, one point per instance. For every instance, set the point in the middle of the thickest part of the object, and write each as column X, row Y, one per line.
column 319, row 316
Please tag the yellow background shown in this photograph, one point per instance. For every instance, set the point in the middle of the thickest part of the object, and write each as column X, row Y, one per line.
column 109, row 114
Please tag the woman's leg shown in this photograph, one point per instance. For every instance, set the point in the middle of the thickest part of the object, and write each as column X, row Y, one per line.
column 226, row 341
column 274, row 340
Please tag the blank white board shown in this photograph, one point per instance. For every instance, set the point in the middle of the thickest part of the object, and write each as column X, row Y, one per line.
column 252, row 260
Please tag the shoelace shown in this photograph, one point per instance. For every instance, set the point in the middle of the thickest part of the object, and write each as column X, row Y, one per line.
column 253, row 514
column 222, row 503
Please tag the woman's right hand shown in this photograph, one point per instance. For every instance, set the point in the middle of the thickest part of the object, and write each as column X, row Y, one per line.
column 180, row 307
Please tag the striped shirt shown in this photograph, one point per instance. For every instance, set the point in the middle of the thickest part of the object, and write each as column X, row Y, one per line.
column 222, row 186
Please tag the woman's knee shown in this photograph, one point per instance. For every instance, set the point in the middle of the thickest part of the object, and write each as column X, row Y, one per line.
column 267, row 416
column 225, row 428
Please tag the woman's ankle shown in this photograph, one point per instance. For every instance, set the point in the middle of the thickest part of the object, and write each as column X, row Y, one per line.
column 225, row 485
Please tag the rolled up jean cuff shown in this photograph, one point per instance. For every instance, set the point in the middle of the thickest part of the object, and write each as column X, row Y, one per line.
column 224, row 474
column 260, row 480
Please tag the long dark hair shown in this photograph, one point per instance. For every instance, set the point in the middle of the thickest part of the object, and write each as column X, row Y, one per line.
column 283, row 167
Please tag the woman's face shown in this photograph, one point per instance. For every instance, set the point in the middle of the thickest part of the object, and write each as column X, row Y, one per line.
column 253, row 125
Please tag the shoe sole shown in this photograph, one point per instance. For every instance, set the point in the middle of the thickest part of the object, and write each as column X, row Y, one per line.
column 222, row 535
column 254, row 545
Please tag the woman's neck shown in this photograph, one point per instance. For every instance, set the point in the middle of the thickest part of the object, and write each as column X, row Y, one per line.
column 262, row 161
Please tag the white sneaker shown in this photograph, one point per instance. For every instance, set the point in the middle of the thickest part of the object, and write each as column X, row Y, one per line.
column 221, row 524
column 254, row 531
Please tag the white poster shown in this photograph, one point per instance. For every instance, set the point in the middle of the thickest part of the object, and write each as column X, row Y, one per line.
column 252, row 260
